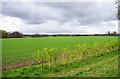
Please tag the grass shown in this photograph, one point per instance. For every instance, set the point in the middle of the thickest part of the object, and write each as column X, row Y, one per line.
column 104, row 66
column 18, row 50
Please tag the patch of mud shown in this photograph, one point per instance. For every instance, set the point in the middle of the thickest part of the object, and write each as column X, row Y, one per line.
column 19, row 65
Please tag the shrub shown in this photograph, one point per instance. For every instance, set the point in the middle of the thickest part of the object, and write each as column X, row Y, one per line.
column 40, row 56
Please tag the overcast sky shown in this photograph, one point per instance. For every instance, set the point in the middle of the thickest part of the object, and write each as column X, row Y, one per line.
column 59, row 17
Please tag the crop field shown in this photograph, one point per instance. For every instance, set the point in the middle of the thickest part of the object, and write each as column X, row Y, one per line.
column 73, row 56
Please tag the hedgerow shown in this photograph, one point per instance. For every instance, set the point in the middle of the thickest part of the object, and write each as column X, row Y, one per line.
column 53, row 57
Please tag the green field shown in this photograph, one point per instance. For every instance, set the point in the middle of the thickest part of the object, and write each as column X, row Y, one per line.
column 20, row 50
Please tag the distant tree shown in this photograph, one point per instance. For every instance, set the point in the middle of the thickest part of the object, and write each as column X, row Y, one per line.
column 15, row 34
column 38, row 35
column 114, row 32
column 108, row 33
column 3, row 34
column 111, row 33
column 35, row 35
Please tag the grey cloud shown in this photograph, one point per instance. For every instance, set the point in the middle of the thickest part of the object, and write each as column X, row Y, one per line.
column 86, row 13
column 30, row 12
column 61, row 17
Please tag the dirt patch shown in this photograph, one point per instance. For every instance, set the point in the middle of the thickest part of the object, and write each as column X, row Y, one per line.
column 14, row 66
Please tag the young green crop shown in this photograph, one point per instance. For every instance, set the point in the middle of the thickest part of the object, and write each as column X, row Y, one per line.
column 20, row 50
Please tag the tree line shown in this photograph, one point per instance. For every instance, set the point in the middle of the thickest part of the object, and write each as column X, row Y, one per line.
column 16, row 34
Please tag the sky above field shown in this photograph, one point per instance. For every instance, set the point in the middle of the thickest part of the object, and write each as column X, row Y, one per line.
column 59, row 17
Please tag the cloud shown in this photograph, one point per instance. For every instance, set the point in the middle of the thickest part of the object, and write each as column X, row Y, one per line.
column 52, row 26
column 9, row 23
column 59, row 17
column 30, row 12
